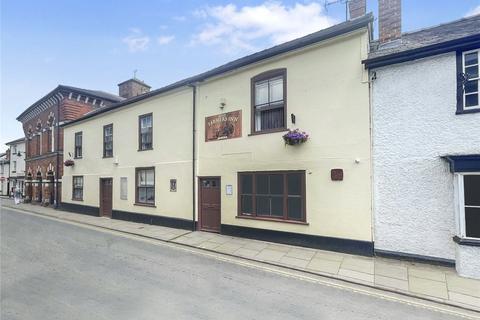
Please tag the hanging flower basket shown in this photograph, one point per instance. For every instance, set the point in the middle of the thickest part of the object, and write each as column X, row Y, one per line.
column 294, row 137
column 69, row 163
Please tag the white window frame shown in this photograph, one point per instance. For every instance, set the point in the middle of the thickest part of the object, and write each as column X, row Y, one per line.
column 477, row 78
column 460, row 204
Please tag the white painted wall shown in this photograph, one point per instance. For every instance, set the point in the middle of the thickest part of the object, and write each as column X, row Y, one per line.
column 414, row 123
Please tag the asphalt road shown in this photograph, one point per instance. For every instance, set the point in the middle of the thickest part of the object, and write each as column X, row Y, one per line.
column 55, row 270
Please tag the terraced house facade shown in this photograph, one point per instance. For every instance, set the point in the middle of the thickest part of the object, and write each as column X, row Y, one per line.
column 209, row 152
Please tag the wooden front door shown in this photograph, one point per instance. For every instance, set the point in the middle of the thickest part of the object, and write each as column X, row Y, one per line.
column 209, row 204
column 106, row 197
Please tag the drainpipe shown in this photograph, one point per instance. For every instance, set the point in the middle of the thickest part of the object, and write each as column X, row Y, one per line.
column 56, row 147
column 194, row 111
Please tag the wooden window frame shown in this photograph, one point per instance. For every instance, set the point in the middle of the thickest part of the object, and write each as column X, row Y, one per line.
column 73, row 188
column 461, row 109
column 262, row 77
column 137, row 202
column 140, row 131
column 460, row 196
column 285, row 218
column 104, row 142
column 76, row 156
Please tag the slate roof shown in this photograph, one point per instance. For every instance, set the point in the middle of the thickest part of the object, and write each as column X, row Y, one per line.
column 324, row 34
column 15, row 141
column 426, row 38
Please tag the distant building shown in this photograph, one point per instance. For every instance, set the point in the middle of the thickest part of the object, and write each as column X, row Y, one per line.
column 4, row 171
column 44, row 137
column 17, row 165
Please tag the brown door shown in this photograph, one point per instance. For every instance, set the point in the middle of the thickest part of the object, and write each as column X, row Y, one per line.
column 209, row 204
column 106, row 197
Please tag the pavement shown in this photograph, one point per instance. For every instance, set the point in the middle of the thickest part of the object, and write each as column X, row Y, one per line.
column 427, row 282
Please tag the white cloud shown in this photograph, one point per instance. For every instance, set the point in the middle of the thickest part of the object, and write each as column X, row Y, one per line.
column 473, row 12
column 165, row 39
column 180, row 18
column 271, row 22
column 136, row 41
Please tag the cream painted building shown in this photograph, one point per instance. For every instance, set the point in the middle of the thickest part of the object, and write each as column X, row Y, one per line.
column 208, row 152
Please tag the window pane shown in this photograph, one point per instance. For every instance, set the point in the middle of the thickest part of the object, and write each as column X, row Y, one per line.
column 472, row 72
column 261, row 92
column 471, row 86
column 262, row 183
column 294, row 183
column 141, row 177
column 471, row 185
column 294, row 208
column 247, row 206
column 276, row 184
column 142, row 194
column 471, row 58
column 246, row 183
column 150, row 195
column 276, row 89
column 150, row 177
column 472, row 222
column 471, row 100
column 277, row 206
column 263, row 205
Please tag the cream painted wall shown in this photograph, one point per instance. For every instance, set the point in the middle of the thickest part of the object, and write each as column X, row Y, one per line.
column 327, row 90
column 171, row 155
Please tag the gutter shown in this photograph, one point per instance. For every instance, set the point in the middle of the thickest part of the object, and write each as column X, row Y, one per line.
column 466, row 43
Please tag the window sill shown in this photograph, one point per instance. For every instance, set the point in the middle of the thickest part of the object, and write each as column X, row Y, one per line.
column 268, row 131
column 145, row 149
column 272, row 220
column 144, row 205
column 105, row 157
column 77, row 199
column 467, row 111
column 76, row 158
column 467, row 242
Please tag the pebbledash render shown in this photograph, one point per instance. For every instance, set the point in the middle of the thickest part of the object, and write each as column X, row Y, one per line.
column 208, row 152
column 426, row 144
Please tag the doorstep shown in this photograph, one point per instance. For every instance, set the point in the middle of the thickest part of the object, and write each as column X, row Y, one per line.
column 434, row 283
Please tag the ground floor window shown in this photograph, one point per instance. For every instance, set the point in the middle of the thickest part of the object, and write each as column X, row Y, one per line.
column 469, row 204
column 77, row 190
column 145, row 186
column 272, row 195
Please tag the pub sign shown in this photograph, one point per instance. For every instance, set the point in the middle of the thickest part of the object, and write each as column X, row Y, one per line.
column 223, row 126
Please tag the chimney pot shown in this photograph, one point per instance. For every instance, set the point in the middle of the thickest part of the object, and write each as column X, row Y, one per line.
column 357, row 8
column 389, row 20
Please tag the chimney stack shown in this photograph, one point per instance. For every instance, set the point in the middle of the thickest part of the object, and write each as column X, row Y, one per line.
column 389, row 20
column 357, row 8
column 132, row 88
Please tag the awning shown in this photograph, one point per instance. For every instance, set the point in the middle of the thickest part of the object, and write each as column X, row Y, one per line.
column 464, row 163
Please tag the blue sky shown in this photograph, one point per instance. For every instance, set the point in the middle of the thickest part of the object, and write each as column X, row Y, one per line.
column 97, row 44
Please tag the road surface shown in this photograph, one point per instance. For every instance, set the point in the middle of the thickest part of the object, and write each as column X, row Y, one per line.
column 56, row 270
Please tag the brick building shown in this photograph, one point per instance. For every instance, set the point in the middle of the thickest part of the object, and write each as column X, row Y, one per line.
column 44, row 137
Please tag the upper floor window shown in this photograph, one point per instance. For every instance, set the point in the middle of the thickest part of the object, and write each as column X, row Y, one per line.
column 269, row 101
column 14, row 149
column 469, row 98
column 14, row 166
column 469, row 196
column 145, row 132
column 78, row 144
column 108, row 141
